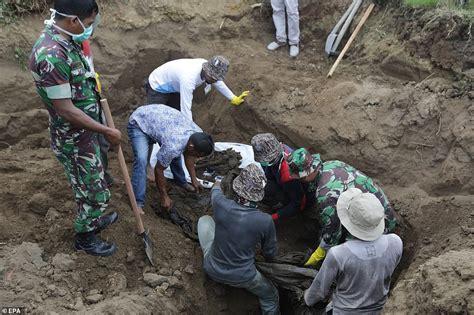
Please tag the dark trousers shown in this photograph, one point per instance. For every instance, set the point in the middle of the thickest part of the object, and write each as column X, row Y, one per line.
column 154, row 97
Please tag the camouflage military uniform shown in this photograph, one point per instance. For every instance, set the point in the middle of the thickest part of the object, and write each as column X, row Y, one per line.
column 61, row 71
column 334, row 177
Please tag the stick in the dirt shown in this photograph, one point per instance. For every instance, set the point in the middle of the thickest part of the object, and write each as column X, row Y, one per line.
column 131, row 195
column 351, row 39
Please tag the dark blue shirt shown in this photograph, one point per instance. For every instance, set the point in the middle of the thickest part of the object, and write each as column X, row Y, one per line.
column 238, row 231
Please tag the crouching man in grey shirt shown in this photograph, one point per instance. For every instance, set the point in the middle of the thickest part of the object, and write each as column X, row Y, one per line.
column 361, row 267
column 229, row 242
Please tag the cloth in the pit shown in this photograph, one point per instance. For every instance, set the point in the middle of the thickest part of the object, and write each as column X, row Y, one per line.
column 286, row 271
column 189, row 207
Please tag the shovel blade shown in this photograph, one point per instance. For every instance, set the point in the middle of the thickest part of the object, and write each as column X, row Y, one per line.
column 330, row 43
column 148, row 246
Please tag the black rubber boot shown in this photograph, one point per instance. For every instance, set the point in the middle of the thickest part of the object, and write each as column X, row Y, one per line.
column 93, row 244
column 104, row 221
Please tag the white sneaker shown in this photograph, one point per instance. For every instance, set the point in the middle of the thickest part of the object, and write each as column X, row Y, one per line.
column 275, row 45
column 294, row 51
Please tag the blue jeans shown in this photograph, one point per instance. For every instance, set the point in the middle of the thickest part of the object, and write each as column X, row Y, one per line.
column 141, row 146
column 260, row 286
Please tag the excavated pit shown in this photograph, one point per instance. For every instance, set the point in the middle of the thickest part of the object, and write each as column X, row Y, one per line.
column 395, row 110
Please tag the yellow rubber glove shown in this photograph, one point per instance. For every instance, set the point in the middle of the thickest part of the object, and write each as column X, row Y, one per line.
column 316, row 257
column 97, row 80
column 237, row 100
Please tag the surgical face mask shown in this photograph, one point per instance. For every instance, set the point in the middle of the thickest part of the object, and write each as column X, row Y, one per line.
column 76, row 37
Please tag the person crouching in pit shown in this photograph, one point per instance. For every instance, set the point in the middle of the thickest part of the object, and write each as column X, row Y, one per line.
column 176, row 135
column 228, row 241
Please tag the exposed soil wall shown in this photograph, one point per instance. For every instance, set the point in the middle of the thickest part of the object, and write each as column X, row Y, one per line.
column 399, row 108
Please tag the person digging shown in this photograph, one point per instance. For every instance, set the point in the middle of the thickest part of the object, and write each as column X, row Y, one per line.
column 67, row 87
column 228, row 241
column 331, row 179
column 361, row 267
column 176, row 135
column 174, row 82
column 287, row 196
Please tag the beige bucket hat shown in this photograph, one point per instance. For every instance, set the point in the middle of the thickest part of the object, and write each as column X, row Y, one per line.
column 361, row 214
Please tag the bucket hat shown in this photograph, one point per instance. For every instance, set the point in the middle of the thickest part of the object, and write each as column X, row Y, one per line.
column 361, row 214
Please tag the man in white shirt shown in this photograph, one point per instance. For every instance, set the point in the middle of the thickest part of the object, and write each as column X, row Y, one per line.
column 177, row 79
column 361, row 267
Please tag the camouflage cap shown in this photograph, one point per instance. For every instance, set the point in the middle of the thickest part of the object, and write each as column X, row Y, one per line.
column 250, row 184
column 216, row 67
column 266, row 147
column 301, row 163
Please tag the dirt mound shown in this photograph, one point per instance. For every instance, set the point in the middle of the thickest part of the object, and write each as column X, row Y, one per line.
column 442, row 285
column 445, row 39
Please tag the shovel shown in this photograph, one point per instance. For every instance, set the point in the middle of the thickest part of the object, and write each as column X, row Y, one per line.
column 123, row 166
column 351, row 39
column 336, row 35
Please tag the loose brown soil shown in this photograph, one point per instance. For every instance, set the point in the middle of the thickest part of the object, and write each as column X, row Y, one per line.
column 399, row 108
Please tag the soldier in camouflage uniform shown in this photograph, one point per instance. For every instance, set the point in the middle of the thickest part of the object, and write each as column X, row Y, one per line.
column 67, row 87
column 330, row 180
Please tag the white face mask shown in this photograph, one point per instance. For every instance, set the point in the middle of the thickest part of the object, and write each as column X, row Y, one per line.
column 76, row 37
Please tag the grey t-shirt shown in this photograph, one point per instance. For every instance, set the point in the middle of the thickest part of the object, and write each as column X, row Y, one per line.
column 239, row 229
column 362, row 271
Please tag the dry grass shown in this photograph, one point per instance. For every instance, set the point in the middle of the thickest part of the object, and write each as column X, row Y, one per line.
column 11, row 9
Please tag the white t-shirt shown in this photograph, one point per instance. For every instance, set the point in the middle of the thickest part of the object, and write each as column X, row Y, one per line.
column 183, row 76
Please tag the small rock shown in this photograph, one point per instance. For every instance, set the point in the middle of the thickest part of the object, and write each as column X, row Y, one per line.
column 92, row 299
column 175, row 283
column 130, row 257
column 177, row 274
column 52, row 214
column 63, row 262
column 148, row 269
column 154, row 280
column 38, row 298
column 51, row 287
column 164, row 272
column 61, row 292
column 94, row 292
column 189, row 269
column 165, row 286
column 116, row 283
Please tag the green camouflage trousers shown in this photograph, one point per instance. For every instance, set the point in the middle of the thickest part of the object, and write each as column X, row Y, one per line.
column 79, row 153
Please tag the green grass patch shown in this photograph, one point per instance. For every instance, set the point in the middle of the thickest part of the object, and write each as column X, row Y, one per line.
column 450, row 4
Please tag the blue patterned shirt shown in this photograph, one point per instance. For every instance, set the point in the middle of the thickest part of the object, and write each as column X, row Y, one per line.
column 166, row 126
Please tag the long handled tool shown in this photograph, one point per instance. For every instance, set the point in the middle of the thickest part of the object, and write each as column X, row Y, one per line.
column 123, row 166
column 351, row 39
column 336, row 35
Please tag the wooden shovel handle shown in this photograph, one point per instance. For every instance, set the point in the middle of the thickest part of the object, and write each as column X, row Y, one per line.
column 351, row 39
column 123, row 167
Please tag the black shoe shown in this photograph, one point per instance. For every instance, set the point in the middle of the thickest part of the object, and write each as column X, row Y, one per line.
column 93, row 244
column 104, row 221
